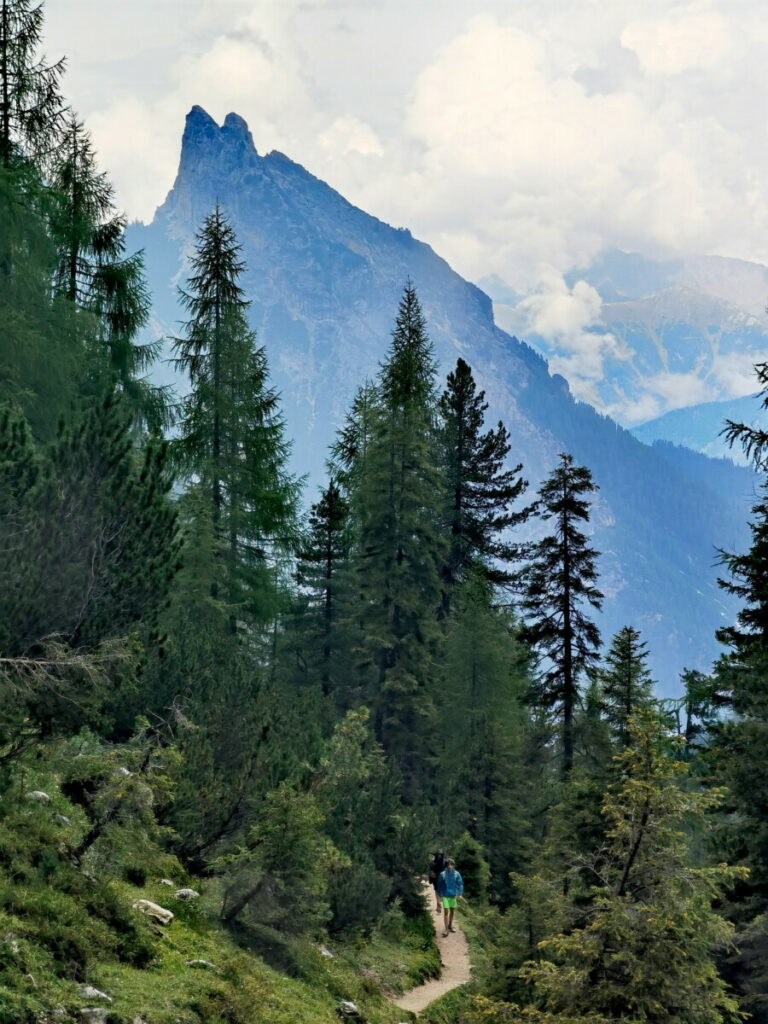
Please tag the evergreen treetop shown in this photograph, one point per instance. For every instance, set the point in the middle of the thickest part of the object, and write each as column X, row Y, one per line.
column 31, row 106
column 560, row 578
column 407, row 378
column 625, row 681
column 481, row 489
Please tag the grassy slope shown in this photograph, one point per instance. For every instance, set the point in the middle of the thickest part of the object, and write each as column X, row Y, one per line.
column 62, row 928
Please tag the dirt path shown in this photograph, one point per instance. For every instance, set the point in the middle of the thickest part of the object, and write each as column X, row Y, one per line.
column 454, row 954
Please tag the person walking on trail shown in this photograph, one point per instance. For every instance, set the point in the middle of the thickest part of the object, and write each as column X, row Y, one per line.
column 450, row 887
column 437, row 864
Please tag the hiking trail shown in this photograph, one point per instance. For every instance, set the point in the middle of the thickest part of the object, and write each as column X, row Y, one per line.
column 454, row 954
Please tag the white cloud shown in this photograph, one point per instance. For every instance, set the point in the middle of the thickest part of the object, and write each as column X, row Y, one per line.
column 735, row 372
column 529, row 134
column 691, row 38
column 563, row 316
column 349, row 134
column 637, row 410
column 678, row 390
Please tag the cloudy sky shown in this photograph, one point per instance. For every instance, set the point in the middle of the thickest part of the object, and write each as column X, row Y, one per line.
column 518, row 137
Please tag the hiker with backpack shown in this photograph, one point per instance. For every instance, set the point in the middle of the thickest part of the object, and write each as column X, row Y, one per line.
column 450, row 888
column 437, row 863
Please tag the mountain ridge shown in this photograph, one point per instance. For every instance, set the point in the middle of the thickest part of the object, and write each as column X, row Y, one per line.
column 325, row 279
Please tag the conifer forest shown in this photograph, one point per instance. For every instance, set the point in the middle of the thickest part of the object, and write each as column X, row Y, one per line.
column 260, row 708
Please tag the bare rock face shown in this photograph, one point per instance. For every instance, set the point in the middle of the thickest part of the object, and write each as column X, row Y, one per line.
column 153, row 910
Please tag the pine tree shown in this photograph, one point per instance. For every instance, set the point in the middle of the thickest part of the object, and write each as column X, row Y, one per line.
column 349, row 452
column 31, row 107
column 93, row 272
column 753, row 440
column 560, row 579
column 488, row 776
column 647, row 949
column 398, row 551
column 481, row 489
column 625, row 681
column 43, row 337
column 232, row 435
column 741, row 683
column 321, row 563
column 85, row 222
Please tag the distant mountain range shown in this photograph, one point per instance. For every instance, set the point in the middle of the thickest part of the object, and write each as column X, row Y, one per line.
column 325, row 279
column 700, row 426
column 684, row 331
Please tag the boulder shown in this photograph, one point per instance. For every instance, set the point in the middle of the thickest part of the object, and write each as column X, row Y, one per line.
column 167, row 881
column 153, row 910
column 324, row 951
column 185, row 895
column 204, row 965
column 39, row 796
column 61, row 819
column 89, row 992
column 349, row 1011
column 93, row 1015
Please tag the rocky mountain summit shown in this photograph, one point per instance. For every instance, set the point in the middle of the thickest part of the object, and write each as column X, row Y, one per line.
column 325, row 279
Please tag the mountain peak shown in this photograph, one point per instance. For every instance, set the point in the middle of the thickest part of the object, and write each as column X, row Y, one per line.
column 204, row 140
column 236, row 125
column 199, row 124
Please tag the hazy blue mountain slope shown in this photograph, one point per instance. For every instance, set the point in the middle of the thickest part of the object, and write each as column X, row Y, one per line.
column 699, row 426
column 325, row 279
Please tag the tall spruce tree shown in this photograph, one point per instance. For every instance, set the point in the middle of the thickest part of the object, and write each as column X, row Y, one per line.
column 349, row 451
column 488, row 777
column 625, row 681
column 480, row 487
column 31, row 106
column 93, row 272
column 43, row 336
column 398, row 550
column 320, row 571
column 560, row 579
column 232, row 436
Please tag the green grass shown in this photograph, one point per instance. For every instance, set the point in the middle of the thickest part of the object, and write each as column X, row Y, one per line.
column 62, row 927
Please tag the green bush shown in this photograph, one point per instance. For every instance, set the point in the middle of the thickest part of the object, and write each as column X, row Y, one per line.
column 357, row 895
column 470, row 861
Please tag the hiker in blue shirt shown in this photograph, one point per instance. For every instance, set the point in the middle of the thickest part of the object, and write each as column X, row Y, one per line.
column 450, row 887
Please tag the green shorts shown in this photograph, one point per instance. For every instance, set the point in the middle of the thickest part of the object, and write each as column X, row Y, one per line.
column 449, row 902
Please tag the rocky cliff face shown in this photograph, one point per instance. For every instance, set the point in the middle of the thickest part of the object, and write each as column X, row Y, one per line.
column 325, row 279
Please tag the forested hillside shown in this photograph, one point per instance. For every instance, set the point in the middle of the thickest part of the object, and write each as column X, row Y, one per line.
column 232, row 734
